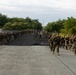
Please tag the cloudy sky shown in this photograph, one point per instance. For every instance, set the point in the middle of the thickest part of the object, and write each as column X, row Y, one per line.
column 44, row 10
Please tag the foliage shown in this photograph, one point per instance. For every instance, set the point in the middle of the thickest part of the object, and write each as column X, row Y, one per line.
column 19, row 23
column 23, row 25
column 3, row 19
column 8, row 26
column 70, row 26
column 73, row 30
column 36, row 25
column 65, row 27
column 54, row 26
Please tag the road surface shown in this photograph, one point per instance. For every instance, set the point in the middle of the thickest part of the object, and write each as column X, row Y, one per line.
column 35, row 60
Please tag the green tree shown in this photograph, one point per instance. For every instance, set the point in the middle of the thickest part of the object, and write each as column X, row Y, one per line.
column 17, row 26
column 69, row 26
column 36, row 24
column 8, row 26
column 54, row 26
column 3, row 20
column 15, row 19
column 19, row 23
column 73, row 30
column 29, row 22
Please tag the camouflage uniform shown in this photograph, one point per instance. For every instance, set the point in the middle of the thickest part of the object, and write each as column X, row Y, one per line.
column 56, row 43
column 1, row 39
column 66, row 43
column 62, row 41
column 51, row 44
column 75, row 48
column 74, row 45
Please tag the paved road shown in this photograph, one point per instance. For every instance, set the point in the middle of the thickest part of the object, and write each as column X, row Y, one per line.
column 35, row 60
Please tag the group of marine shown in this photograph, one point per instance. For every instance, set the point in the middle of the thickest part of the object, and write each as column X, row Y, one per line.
column 56, row 41
column 7, row 37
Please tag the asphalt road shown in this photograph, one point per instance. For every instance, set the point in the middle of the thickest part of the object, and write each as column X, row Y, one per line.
column 35, row 60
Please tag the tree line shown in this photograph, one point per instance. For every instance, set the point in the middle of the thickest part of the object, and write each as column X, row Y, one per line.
column 65, row 26
column 15, row 23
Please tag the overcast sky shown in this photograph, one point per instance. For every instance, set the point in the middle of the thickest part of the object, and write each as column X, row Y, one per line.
column 44, row 10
